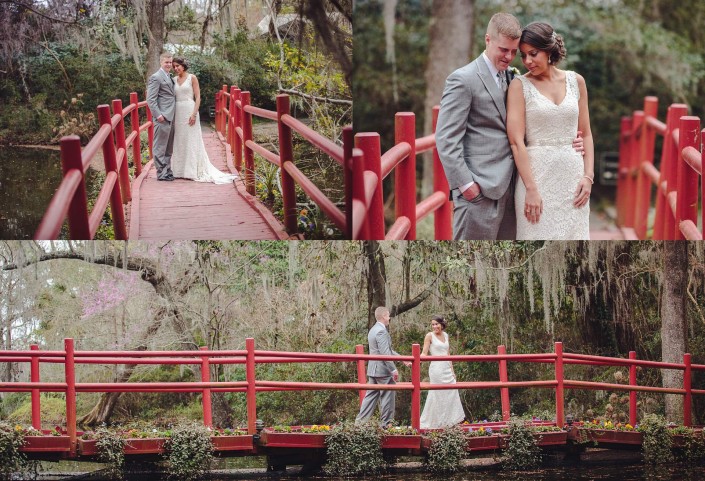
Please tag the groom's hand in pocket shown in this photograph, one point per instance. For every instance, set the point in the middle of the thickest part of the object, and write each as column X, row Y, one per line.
column 471, row 192
column 160, row 119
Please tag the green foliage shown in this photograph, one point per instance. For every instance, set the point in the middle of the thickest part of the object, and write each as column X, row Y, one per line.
column 189, row 452
column 111, row 451
column 12, row 460
column 522, row 451
column 53, row 410
column 354, row 450
column 447, row 450
column 693, row 451
column 657, row 442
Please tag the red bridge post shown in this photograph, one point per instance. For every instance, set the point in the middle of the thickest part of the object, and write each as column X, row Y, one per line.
column 634, row 166
column 361, row 373
column 369, row 143
column 442, row 217
column 70, row 374
column 111, row 166
column 124, row 171
column 206, row 399
column 150, row 132
column 632, row 394
column 348, row 142
column 286, row 154
column 135, row 127
column 247, row 136
column 663, row 210
column 405, row 172
column 36, row 396
column 504, row 377
column 560, row 420
column 646, row 155
column 237, row 141
column 231, row 120
column 416, row 384
column 623, row 171
column 673, row 156
column 688, row 398
column 251, row 386
column 78, row 208
column 687, row 200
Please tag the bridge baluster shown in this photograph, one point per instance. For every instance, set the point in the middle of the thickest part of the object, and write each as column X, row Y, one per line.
column 361, row 373
column 645, row 156
column 632, row 394
column 416, row 383
column 504, row 377
column 687, row 201
column 36, row 398
column 405, row 172
column 348, row 142
column 443, row 227
column 560, row 420
column 286, row 154
column 251, row 386
column 111, row 166
column 688, row 398
column 206, row 398
column 247, row 135
column 135, row 121
column 123, row 168
column 70, row 375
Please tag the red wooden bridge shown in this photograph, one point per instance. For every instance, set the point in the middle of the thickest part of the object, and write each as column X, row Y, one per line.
column 677, row 181
column 185, row 209
column 256, row 439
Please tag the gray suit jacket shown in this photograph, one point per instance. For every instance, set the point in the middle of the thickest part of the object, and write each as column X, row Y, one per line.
column 380, row 343
column 471, row 134
column 160, row 95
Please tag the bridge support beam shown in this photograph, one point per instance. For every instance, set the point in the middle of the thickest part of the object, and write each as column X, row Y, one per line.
column 251, row 386
column 504, row 377
column 560, row 419
column 70, row 375
column 361, row 373
column 206, row 398
column 36, row 397
column 416, row 384
column 632, row 394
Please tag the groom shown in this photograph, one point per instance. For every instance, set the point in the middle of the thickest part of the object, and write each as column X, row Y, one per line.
column 380, row 372
column 160, row 98
column 471, row 137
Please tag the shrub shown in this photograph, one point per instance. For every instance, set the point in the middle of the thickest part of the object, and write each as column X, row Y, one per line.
column 354, row 450
column 189, row 452
column 111, row 451
column 522, row 451
column 12, row 460
column 657, row 442
column 447, row 450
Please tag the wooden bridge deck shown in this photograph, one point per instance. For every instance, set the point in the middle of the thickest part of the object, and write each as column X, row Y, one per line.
column 184, row 209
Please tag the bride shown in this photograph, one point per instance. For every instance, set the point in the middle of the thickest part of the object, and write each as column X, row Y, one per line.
column 546, row 107
column 443, row 407
column 190, row 159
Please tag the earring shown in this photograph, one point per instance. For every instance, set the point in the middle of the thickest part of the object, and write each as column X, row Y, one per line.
column 550, row 61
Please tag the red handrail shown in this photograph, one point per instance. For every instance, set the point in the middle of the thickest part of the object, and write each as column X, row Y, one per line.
column 368, row 217
column 676, row 180
column 234, row 123
column 70, row 199
column 251, row 357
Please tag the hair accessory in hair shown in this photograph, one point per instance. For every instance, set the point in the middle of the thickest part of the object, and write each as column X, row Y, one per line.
column 553, row 35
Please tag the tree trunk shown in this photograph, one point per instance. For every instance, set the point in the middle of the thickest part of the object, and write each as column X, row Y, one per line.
column 376, row 279
column 155, row 45
column 450, row 43
column 673, row 311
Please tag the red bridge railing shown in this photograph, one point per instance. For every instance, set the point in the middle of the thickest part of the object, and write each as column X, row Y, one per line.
column 677, row 179
column 372, row 167
column 234, row 122
column 70, row 199
column 250, row 358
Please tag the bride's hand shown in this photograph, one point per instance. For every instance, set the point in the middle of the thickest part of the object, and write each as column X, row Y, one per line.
column 533, row 206
column 582, row 193
column 192, row 119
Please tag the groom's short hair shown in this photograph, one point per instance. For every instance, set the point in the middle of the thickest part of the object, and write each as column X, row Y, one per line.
column 504, row 24
column 165, row 55
column 380, row 312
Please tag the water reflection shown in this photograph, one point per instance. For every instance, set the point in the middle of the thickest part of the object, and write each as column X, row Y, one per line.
column 28, row 179
column 584, row 472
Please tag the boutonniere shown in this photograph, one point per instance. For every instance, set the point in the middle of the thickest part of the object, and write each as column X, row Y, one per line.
column 514, row 71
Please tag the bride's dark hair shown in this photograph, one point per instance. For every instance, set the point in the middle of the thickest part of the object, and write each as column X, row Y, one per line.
column 542, row 36
column 440, row 320
column 181, row 61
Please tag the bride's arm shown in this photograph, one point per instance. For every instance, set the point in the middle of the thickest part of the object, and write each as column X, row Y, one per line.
column 582, row 193
column 426, row 344
column 197, row 97
column 516, row 128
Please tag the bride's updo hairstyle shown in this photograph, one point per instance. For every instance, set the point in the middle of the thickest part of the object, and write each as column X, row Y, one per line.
column 541, row 35
column 440, row 320
column 180, row 61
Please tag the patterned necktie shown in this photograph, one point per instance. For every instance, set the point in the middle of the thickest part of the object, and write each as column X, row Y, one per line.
column 502, row 81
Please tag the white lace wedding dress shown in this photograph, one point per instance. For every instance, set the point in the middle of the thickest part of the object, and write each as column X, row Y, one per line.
column 556, row 166
column 190, row 159
column 443, row 407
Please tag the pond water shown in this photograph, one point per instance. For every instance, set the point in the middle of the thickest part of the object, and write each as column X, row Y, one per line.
column 28, row 179
column 583, row 472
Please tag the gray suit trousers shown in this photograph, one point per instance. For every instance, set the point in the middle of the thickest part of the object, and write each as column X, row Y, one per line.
column 387, row 400
column 162, row 148
column 483, row 218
